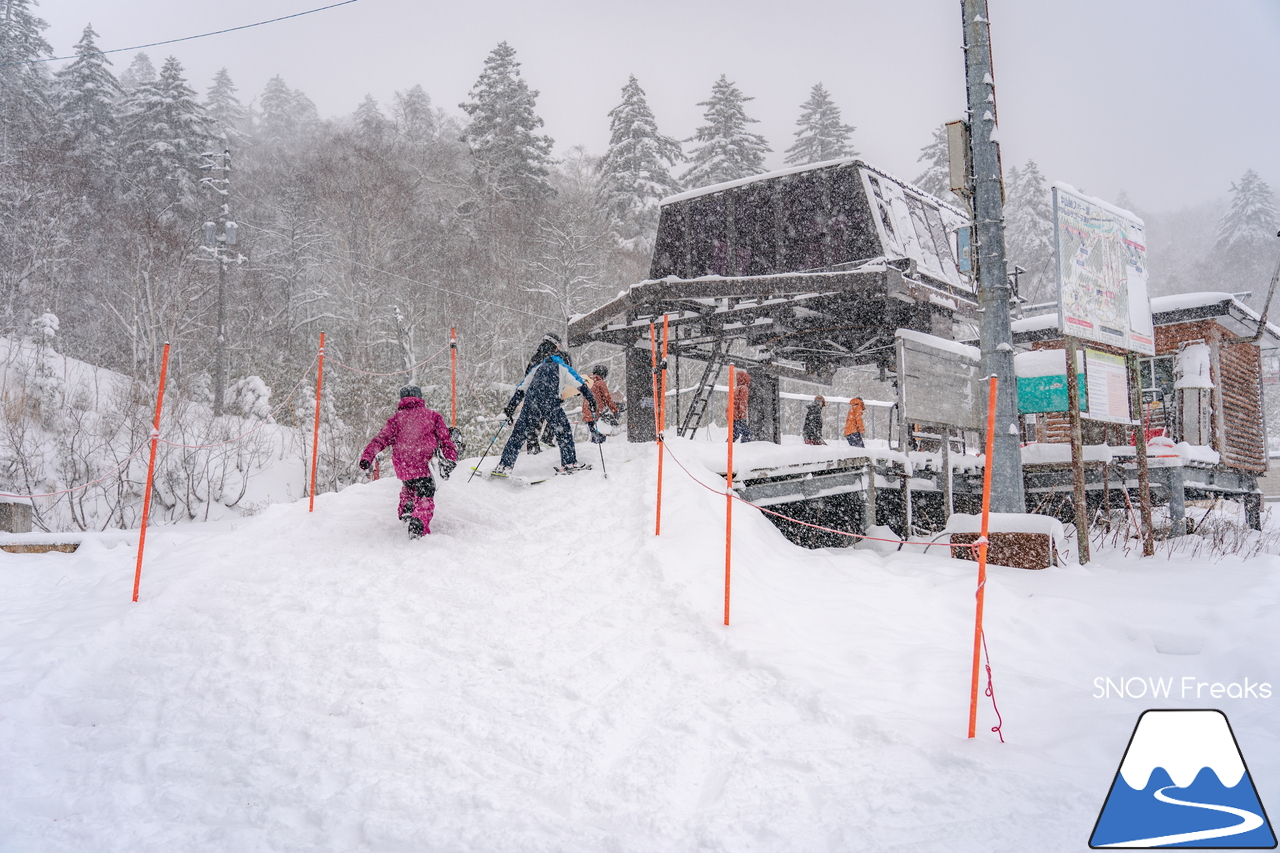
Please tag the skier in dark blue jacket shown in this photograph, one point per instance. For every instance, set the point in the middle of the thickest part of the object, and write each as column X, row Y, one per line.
column 542, row 391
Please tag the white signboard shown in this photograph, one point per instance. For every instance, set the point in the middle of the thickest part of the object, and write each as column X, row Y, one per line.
column 938, row 381
column 1102, row 272
column 1108, row 381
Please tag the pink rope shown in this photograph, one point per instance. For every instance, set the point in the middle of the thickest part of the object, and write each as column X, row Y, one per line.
column 429, row 359
column 730, row 494
column 106, row 476
column 991, row 690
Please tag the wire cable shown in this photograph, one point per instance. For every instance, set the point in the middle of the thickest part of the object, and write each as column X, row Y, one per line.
column 175, row 41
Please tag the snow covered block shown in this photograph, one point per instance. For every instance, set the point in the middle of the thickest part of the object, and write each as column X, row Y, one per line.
column 15, row 517
column 1018, row 540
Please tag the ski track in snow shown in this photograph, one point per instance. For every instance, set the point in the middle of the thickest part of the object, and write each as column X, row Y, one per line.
column 542, row 673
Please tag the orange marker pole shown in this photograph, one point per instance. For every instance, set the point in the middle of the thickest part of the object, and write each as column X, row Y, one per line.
column 657, row 430
column 728, row 502
column 982, row 555
column 151, row 473
column 662, row 425
column 453, row 377
column 315, row 438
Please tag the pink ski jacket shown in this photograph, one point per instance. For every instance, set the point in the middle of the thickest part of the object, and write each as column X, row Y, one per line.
column 413, row 433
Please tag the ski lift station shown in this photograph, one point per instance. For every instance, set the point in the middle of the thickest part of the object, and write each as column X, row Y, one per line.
column 798, row 273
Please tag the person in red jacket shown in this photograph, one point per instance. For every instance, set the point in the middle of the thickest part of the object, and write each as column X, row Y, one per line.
column 742, row 388
column 413, row 433
column 606, row 409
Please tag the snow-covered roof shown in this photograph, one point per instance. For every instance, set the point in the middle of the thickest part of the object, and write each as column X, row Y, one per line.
column 795, row 170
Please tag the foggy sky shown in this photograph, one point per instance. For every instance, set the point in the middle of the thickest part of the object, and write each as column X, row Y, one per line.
column 1167, row 99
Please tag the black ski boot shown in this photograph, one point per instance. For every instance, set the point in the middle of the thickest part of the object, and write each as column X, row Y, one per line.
column 416, row 528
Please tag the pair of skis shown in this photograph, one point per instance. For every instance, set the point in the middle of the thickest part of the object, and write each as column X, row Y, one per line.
column 527, row 481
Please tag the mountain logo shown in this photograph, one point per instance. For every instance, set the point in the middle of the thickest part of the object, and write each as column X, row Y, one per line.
column 1183, row 783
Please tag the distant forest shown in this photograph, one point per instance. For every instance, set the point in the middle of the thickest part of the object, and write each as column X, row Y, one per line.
column 387, row 227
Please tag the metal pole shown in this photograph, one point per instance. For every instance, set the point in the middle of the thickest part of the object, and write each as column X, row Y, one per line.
column 993, row 279
column 453, row 377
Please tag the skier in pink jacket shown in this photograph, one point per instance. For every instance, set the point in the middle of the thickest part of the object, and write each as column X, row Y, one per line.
column 413, row 433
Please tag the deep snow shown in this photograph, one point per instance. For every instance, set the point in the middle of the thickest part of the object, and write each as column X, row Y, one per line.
column 543, row 673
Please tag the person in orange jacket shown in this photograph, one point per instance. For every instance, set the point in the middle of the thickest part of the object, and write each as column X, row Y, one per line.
column 742, row 388
column 606, row 409
column 853, row 425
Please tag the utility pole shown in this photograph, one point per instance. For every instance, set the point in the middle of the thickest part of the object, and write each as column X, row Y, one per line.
column 993, row 281
column 218, row 235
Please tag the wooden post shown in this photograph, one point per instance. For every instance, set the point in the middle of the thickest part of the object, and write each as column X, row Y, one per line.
column 1077, row 451
column 728, row 500
column 982, row 555
column 453, row 377
column 315, row 436
column 1140, row 455
column 151, row 473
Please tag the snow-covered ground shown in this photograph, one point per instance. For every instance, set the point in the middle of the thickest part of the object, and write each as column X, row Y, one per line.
column 543, row 673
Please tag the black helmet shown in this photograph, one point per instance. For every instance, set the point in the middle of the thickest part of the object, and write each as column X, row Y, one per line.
column 410, row 391
column 553, row 338
column 601, row 371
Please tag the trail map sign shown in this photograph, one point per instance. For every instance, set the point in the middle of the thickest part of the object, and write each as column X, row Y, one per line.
column 1102, row 272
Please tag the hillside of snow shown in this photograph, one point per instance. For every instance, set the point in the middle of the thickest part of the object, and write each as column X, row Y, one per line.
column 542, row 673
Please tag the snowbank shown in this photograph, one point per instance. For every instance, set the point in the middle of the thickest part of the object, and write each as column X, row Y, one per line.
column 543, row 673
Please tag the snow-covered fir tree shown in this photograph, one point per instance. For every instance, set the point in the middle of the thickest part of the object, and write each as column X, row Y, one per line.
column 166, row 131
column 220, row 101
column 727, row 151
column 635, row 173
column 1252, row 216
column 936, row 177
column 1246, row 250
column 821, row 134
column 1028, row 219
column 371, row 124
column 25, row 87
column 511, row 159
column 285, row 114
column 139, row 73
column 87, row 97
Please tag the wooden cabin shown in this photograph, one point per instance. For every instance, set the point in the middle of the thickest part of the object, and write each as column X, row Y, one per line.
column 1202, row 396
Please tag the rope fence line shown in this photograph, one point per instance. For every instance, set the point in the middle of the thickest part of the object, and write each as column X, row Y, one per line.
column 730, row 494
column 106, row 476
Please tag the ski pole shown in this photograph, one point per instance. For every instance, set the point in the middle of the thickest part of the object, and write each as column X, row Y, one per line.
column 501, row 427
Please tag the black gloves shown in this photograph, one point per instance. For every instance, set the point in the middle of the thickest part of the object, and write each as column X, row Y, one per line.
column 611, row 420
column 365, row 464
column 446, row 468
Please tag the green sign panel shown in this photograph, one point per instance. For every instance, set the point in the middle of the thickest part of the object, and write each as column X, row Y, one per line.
column 1048, row 394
